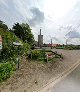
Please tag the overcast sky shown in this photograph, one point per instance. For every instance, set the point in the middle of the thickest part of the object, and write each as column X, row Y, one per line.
column 58, row 19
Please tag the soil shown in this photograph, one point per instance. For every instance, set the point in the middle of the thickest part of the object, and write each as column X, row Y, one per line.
column 33, row 75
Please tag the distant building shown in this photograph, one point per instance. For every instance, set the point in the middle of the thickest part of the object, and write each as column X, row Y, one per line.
column 53, row 45
column 40, row 40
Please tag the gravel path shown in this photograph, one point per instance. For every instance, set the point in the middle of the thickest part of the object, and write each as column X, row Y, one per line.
column 34, row 75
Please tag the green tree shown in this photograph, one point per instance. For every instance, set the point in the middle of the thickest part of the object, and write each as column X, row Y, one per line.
column 28, row 34
column 3, row 25
column 23, row 31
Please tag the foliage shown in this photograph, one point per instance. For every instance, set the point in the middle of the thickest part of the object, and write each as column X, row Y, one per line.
column 6, row 69
column 28, row 34
column 23, row 31
column 72, row 47
column 41, row 55
column 59, row 47
column 35, row 54
column 3, row 25
column 9, row 50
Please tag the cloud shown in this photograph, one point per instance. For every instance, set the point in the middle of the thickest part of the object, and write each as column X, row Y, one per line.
column 69, row 27
column 22, row 7
column 37, row 17
column 10, row 12
column 2, row 2
column 73, row 34
column 18, row 11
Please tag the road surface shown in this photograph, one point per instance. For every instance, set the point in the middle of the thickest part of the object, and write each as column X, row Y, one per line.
column 71, row 83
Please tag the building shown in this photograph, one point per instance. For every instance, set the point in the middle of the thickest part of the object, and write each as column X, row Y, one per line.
column 40, row 40
column 53, row 45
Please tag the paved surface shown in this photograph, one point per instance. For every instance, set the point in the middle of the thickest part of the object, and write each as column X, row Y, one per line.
column 69, row 84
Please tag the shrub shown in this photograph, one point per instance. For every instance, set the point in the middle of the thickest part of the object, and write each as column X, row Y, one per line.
column 9, row 50
column 43, row 53
column 38, row 54
column 6, row 69
column 35, row 54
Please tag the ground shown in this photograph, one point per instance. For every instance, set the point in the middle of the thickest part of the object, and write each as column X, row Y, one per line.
column 32, row 76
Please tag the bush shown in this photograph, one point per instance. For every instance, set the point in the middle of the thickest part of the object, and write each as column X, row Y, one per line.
column 35, row 54
column 42, row 59
column 41, row 55
column 6, row 69
column 72, row 47
column 38, row 54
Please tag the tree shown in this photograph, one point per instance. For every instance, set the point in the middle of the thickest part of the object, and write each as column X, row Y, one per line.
column 23, row 31
column 28, row 34
column 3, row 25
column 9, row 51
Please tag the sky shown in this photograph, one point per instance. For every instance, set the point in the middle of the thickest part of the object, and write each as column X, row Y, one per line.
column 58, row 19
